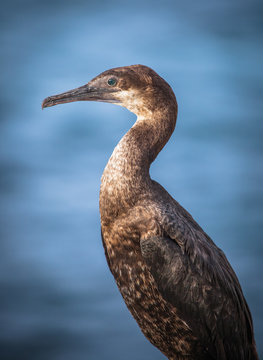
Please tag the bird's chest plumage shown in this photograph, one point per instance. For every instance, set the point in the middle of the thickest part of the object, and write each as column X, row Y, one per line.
column 158, row 320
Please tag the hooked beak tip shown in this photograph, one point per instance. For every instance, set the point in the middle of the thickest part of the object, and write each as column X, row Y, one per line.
column 43, row 104
column 47, row 102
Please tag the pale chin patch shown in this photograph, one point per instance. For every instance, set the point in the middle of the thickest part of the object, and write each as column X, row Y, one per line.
column 132, row 101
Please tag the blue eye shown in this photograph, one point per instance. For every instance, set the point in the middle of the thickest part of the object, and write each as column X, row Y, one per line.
column 112, row 81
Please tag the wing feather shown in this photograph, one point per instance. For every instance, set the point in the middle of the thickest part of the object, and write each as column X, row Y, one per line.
column 197, row 279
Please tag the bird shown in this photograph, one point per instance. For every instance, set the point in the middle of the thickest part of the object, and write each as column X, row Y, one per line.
column 175, row 281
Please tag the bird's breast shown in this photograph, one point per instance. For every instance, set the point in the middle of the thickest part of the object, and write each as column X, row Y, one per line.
column 158, row 320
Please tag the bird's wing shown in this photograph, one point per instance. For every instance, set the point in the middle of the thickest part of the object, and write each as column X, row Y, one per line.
column 203, row 287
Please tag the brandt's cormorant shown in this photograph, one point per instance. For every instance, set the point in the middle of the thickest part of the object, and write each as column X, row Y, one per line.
column 176, row 282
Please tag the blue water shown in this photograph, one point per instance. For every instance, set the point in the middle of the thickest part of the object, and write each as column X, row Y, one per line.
column 58, row 298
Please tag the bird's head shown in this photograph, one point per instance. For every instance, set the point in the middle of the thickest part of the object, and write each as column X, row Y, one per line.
column 136, row 87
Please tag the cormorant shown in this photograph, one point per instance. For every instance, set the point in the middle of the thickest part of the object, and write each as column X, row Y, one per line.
column 176, row 282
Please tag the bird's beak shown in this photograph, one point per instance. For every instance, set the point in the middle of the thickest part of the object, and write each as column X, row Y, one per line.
column 83, row 93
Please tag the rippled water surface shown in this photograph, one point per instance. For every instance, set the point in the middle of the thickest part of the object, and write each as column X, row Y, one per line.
column 58, row 298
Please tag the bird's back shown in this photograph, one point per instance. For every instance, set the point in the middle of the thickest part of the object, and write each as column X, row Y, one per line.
column 195, row 276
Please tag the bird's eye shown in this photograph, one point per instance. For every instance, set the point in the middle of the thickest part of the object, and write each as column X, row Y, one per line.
column 112, row 81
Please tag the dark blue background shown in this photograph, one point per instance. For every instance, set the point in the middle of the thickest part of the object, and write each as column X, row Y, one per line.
column 58, row 298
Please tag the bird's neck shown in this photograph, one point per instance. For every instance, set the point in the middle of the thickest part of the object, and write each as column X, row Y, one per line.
column 126, row 176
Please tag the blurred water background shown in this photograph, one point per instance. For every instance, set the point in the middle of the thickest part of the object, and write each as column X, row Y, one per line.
column 58, row 298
